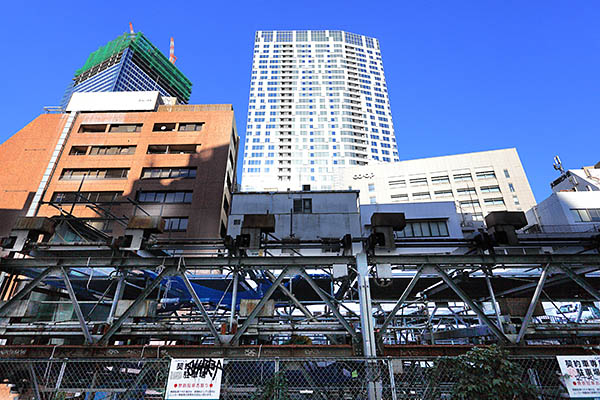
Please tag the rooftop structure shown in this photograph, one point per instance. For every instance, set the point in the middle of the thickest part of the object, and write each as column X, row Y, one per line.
column 130, row 63
column 318, row 101
column 578, row 180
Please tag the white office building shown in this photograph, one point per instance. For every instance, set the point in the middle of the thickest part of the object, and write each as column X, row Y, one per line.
column 478, row 182
column 318, row 102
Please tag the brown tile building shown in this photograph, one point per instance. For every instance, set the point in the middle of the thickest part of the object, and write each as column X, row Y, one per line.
column 174, row 161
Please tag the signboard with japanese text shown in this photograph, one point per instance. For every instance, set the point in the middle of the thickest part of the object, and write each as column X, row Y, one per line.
column 194, row 379
column 581, row 375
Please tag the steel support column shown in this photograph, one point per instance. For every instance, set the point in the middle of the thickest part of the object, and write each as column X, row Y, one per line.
column 366, row 311
column 259, row 306
column 200, row 306
column 493, row 297
column 142, row 296
column 76, row 307
column 534, row 301
column 116, row 299
column 234, row 290
column 467, row 300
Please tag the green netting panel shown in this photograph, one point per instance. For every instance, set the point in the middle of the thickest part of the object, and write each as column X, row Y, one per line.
column 157, row 61
column 105, row 52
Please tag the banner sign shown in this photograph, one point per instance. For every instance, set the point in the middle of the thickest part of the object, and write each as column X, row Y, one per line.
column 581, row 375
column 194, row 379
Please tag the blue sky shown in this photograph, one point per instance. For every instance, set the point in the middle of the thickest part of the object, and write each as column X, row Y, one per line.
column 462, row 75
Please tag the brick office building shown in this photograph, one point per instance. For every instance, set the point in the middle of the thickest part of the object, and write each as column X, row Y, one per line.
column 124, row 154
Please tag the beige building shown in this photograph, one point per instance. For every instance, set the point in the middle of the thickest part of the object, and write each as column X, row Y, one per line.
column 478, row 182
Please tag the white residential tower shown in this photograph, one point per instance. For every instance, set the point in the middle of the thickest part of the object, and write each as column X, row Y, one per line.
column 318, row 101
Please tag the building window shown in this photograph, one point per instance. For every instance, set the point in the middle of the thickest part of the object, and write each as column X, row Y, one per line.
column 511, row 187
column 486, row 175
column 172, row 149
column 184, row 196
column 92, row 128
column 302, row 206
column 397, row 183
column 399, row 197
column 516, row 200
column 424, row 229
column 466, row 192
column 462, row 177
column 421, row 196
column 191, row 126
column 506, row 174
column 436, row 180
column 443, row 193
column 176, row 224
column 494, row 202
column 126, row 128
column 78, row 150
column 490, row 189
column 164, row 127
column 102, row 173
column 469, row 203
column 418, row 181
column 112, row 150
column 373, row 200
column 371, row 187
column 586, row 214
column 168, row 173
column 85, row 197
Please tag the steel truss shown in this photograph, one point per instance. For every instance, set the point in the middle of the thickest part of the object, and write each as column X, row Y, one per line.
column 354, row 312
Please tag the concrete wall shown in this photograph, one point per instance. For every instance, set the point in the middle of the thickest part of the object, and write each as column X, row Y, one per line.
column 438, row 210
column 556, row 212
column 333, row 215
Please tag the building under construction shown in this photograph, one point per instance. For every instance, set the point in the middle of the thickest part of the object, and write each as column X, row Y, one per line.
column 130, row 63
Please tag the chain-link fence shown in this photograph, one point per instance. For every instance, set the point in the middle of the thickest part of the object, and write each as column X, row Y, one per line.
column 253, row 379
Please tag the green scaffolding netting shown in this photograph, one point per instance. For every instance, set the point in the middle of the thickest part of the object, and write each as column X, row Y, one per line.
column 157, row 61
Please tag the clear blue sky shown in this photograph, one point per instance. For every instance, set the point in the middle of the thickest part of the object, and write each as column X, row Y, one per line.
column 462, row 75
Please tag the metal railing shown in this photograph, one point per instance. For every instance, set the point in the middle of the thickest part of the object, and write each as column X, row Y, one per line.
column 261, row 378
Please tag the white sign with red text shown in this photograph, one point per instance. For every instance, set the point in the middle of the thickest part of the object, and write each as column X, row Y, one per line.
column 581, row 375
column 194, row 379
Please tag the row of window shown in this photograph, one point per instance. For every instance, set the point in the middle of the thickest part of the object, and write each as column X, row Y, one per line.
column 122, row 173
column 129, row 150
column 132, row 128
column 424, row 229
column 160, row 196
column 586, row 214
column 172, row 224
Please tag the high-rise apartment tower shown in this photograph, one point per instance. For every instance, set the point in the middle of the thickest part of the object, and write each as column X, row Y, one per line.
column 129, row 63
column 318, row 101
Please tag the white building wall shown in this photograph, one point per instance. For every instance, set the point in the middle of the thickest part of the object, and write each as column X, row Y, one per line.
column 478, row 182
column 318, row 101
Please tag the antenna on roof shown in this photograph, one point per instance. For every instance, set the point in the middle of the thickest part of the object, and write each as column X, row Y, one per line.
column 558, row 165
column 172, row 57
column 131, row 28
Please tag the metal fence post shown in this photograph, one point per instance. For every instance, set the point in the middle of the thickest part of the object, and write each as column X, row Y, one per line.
column 392, row 379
